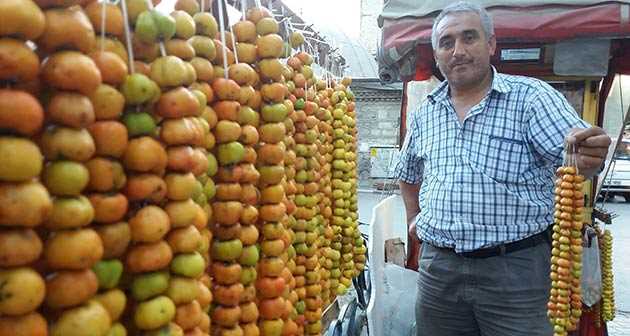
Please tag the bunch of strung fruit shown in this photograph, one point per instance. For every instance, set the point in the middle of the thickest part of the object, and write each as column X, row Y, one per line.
column 565, row 300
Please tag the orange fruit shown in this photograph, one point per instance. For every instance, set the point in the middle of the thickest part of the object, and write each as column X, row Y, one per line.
column 70, row 109
column 113, row 18
column 108, row 208
column 67, row 28
column 108, row 103
column 71, row 70
column 113, row 68
column 17, row 61
column 110, row 137
column 30, row 118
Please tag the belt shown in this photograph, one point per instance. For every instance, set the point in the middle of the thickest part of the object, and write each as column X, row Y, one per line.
column 503, row 249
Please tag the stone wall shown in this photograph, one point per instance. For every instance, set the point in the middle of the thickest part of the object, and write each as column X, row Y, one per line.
column 378, row 122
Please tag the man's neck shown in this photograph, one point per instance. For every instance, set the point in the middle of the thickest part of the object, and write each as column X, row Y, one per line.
column 474, row 92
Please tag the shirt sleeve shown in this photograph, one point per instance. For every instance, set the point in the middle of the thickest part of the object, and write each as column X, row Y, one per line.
column 551, row 119
column 410, row 166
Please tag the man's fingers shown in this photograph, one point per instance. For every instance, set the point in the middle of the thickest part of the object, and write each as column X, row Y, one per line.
column 593, row 151
column 601, row 141
column 586, row 161
column 576, row 136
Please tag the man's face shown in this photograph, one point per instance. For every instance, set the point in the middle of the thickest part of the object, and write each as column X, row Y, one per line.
column 463, row 51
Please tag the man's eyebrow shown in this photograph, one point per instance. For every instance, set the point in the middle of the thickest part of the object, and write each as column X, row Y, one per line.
column 471, row 31
column 464, row 32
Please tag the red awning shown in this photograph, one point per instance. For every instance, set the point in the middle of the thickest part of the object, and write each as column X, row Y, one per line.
column 411, row 36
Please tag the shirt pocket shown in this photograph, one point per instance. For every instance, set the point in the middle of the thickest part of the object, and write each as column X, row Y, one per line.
column 504, row 159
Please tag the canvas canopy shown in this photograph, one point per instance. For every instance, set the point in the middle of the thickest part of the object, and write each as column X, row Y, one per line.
column 406, row 52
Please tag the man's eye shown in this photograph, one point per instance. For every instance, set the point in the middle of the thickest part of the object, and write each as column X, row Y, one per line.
column 470, row 37
column 446, row 44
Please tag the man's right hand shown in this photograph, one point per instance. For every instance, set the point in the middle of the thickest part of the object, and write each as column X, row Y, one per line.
column 413, row 248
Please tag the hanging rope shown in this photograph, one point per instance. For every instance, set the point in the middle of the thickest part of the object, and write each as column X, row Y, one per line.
column 128, row 36
column 233, row 42
column 103, row 15
column 223, row 49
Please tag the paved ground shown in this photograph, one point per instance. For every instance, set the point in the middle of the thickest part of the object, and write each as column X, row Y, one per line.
column 621, row 249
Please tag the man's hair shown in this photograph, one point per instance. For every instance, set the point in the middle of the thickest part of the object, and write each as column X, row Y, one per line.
column 463, row 7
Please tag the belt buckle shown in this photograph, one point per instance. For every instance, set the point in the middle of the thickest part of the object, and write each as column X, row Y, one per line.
column 502, row 249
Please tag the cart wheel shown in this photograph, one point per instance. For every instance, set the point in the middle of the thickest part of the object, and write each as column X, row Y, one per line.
column 626, row 196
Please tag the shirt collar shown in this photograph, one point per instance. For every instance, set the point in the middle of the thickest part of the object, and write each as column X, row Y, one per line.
column 499, row 84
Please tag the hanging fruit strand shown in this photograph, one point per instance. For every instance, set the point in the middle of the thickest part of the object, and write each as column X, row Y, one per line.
column 123, row 5
column 608, row 295
column 565, row 301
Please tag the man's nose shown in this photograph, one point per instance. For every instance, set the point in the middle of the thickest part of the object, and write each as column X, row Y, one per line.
column 459, row 49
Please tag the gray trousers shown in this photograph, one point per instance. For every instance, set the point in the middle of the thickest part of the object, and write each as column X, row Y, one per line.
column 497, row 296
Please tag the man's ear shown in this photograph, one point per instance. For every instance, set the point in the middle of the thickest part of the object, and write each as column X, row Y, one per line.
column 492, row 44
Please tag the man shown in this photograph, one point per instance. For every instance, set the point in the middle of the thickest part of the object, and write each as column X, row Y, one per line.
column 485, row 147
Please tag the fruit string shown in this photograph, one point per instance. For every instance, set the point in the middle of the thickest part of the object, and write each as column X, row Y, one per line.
column 223, row 50
column 103, row 15
column 132, row 68
column 233, row 43
column 243, row 10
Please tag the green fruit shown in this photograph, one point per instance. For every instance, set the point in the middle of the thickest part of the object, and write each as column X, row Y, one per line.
column 204, row 46
column 108, row 273
column 139, row 124
column 299, row 104
column 203, row 101
column 117, row 330
column 146, row 29
column 171, row 329
column 248, row 275
column 274, row 113
column 92, row 318
column 148, row 285
column 184, row 24
column 209, row 189
column 198, row 190
column 213, row 165
column 154, row 313
column 247, row 116
column 65, row 178
column 138, row 89
column 230, row 153
column 227, row 251
column 300, row 306
column 190, row 265
column 182, row 290
column 165, row 25
column 206, row 24
column 249, row 256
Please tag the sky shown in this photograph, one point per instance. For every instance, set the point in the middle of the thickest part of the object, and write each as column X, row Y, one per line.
column 345, row 14
column 341, row 14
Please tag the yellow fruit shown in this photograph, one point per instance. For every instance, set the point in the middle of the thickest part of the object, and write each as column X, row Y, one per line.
column 21, row 161
column 91, row 319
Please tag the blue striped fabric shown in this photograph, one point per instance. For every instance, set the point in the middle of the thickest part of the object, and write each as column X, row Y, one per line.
column 488, row 180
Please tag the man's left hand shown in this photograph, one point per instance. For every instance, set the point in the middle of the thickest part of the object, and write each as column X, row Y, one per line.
column 592, row 148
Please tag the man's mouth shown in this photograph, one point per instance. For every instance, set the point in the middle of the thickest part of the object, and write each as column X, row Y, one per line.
column 459, row 64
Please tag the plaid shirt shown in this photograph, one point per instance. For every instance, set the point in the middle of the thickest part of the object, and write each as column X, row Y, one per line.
column 489, row 179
